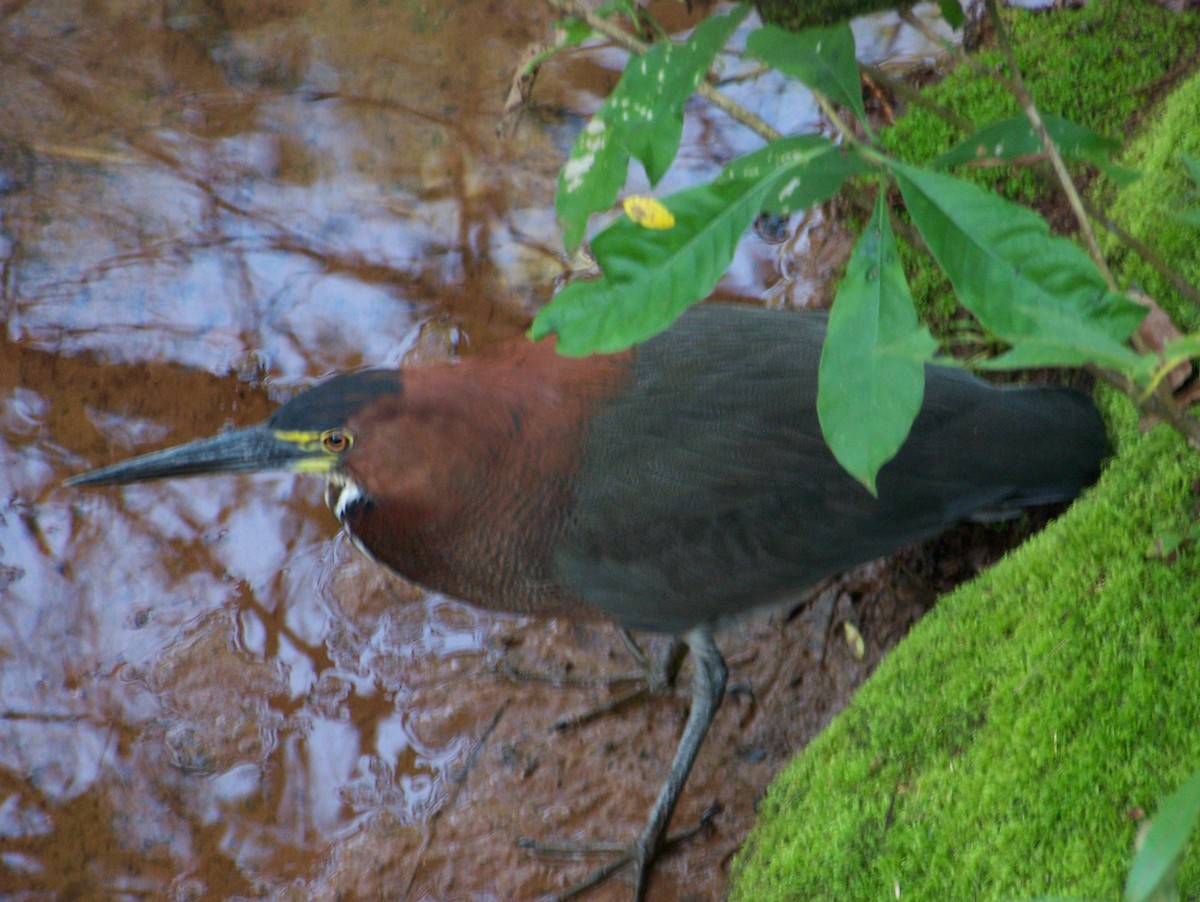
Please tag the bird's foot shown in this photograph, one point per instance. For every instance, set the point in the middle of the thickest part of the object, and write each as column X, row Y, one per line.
column 635, row 857
column 567, row 680
column 604, row 709
column 641, row 688
column 654, row 676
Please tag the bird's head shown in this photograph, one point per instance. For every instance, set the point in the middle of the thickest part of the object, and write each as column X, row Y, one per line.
column 312, row 433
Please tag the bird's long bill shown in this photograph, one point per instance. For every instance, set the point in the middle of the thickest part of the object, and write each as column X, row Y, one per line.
column 237, row 451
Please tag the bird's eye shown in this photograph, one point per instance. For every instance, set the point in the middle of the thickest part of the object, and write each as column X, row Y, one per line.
column 335, row 441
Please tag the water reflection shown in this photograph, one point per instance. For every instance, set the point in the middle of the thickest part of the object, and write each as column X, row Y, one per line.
column 206, row 693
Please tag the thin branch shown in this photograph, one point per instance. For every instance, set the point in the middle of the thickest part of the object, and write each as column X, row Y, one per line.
column 618, row 36
column 1056, row 161
column 1177, row 280
column 749, row 75
column 1016, row 86
column 738, row 113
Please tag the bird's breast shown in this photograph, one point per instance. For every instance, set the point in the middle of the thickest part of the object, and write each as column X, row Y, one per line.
column 464, row 482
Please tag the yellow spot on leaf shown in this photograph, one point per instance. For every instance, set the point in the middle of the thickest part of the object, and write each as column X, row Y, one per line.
column 648, row 212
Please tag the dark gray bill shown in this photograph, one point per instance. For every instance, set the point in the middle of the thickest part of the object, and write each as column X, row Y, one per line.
column 238, row 451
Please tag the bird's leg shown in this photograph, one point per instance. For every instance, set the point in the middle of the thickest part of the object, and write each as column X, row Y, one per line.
column 708, row 688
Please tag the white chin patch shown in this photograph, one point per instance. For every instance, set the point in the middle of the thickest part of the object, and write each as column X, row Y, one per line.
column 349, row 497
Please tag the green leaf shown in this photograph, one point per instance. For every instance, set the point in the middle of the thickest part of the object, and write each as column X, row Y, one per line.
column 822, row 58
column 1160, row 365
column 1156, row 862
column 952, row 12
column 1036, row 291
column 872, row 373
column 650, row 277
column 813, row 169
column 593, row 174
column 568, row 33
column 642, row 117
column 571, row 32
column 1014, row 137
column 1185, row 347
column 649, row 98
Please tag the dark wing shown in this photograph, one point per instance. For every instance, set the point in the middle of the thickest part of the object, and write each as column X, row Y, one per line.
column 707, row 489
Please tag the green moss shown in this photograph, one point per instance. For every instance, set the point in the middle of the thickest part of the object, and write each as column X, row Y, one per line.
column 998, row 751
column 800, row 14
column 1145, row 207
column 1094, row 66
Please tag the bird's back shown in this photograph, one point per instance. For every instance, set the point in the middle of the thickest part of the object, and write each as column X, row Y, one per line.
column 705, row 487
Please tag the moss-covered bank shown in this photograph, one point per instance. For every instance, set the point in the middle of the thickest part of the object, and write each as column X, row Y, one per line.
column 1006, row 748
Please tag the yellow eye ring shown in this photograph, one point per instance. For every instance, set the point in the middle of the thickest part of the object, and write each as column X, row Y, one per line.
column 336, row 441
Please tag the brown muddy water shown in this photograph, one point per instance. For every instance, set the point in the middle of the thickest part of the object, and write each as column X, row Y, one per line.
column 205, row 692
